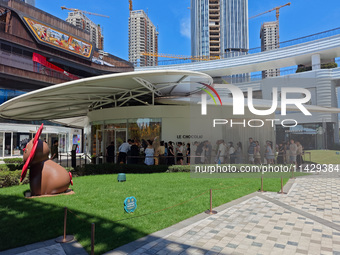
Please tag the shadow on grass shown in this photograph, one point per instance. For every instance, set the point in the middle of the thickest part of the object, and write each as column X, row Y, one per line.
column 26, row 221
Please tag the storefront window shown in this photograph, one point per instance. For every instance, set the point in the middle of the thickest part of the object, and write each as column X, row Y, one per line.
column 19, row 143
column 144, row 128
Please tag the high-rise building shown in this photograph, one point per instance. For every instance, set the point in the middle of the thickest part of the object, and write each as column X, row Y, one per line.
column 219, row 28
column 143, row 37
column 269, row 41
column 31, row 2
column 80, row 20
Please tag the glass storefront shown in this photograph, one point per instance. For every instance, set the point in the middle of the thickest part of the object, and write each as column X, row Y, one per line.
column 118, row 131
column 13, row 143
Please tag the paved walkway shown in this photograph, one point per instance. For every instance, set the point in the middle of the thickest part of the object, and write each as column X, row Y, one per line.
column 49, row 247
column 304, row 221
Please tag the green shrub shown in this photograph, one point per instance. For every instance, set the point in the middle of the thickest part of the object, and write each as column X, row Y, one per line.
column 13, row 160
column 115, row 168
column 10, row 167
column 11, row 178
column 329, row 65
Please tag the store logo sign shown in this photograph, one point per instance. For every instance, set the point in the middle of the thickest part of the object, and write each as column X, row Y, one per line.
column 239, row 105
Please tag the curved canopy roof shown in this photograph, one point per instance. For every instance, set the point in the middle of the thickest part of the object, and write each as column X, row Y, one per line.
column 76, row 98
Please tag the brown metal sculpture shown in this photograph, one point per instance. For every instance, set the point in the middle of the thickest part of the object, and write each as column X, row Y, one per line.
column 46, row 177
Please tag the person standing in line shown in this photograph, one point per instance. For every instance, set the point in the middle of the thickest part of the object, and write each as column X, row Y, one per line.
column 134, row 152
column 149, row 154
column 161, row 153
column 221, row 152
column 193, row 152
column 280, row 156
column 166, row 153
column 110, row 153
column 232, row 154
column 123, row 149
column 208, row 151
column 287, row 153
column 251, row 148
column 257, row 153
column 188, row 153
column 55, row 151
column 179, row 150
column 299, row 153
column 171, row 154
column 269, row 153
column 292, row 152
column 238, row 153
column 199, row 152
column 155, row 146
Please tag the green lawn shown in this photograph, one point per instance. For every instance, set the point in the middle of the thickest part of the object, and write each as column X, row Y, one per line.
column 100, row 198
column 324, row 156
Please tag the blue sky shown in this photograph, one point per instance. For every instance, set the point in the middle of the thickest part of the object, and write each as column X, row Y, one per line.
column 172, row 17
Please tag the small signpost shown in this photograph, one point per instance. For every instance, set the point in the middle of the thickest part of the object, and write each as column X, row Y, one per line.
column 130, row 204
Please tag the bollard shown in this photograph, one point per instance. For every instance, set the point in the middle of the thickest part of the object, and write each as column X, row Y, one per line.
column 292, row 173
column 211, row 210
column 281, row 192
column 92, row 238
column 65, row 238
column 262, row 183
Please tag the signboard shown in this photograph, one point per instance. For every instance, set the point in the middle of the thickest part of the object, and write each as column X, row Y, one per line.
column 55, row 38
column 130, row 204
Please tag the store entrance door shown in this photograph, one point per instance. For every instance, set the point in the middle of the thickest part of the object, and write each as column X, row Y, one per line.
column 120, row 137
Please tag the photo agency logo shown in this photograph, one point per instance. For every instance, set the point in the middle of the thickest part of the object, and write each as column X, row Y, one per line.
column 238, row 105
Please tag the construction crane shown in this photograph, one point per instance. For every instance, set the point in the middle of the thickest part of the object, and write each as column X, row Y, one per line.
column 130, row 5
column 162, row 55
column 77, row 10
column 277, row 9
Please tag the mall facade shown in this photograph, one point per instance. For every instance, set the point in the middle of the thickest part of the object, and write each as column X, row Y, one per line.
column 38, row 50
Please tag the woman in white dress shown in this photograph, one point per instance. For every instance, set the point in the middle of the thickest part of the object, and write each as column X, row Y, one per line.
column 149, row 152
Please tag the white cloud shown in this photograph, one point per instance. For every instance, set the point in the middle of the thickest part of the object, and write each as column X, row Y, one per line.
column 185, row 27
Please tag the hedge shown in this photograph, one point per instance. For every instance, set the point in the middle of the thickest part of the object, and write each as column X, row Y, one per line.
column 13, row 160
column 10, row 167
column 11, row 178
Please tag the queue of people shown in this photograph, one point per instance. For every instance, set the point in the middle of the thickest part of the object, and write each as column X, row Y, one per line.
column 155, row 152
column 290, row 152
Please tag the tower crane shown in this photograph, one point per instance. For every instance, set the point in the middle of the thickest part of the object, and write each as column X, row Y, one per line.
column 90, row 13
column 277, row 9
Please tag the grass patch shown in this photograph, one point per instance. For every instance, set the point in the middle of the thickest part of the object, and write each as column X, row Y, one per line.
column 324, row 156
column 99, row 199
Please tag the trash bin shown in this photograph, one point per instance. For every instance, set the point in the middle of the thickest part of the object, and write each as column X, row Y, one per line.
column 74, row 155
